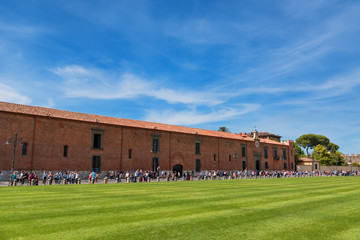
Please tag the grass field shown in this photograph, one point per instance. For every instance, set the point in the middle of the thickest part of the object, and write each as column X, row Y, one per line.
column 297, row 208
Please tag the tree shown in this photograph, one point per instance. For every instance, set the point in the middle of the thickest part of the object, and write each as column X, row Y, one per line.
column 337, row 158
column 309, row 141
column 328, row 158
column 320, row 153
column 223, row 129
column 332, row 147
column 322, row 140
column 298, row 152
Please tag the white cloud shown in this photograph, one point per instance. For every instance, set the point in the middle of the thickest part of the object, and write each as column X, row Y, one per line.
column 8, row 94
column 96, row 84
column 190, row 117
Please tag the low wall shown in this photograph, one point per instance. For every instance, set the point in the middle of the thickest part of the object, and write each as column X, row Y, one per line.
column 327, row 168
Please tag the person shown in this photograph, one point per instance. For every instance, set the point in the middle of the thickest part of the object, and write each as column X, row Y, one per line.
column 44, row 177
column 77, row 177
column 90, row 175
column 13, row 178
column 50, row 178
column 93, row 176
column 36, row 180
column 157, row 171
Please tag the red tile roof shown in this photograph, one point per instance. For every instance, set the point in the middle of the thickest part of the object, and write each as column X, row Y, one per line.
column 49, row 112
column 307, row 160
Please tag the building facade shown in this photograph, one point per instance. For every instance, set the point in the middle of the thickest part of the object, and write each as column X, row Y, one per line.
column 351, row 158
column 50, row 139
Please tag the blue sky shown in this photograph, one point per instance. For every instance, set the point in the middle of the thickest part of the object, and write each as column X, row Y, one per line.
column 286, row 67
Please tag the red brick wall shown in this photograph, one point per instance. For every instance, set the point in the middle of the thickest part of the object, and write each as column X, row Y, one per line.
column 47, row 136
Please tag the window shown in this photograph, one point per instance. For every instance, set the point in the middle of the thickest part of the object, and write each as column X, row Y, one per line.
column 285, row 166
column 155, row 144
column 97, row 136
column 97, row 140
column 266, row 165
column 266, row 155
column 315, row 166
column 24, row 149
column 229, row 158
column 65, row 152
column 130, row 152
column 284, row 154
column 197, row 165
column 243, row 151
column 275, row 154
column 243, row 165
column 197, row 147
column 292, row 166
column 214, row 157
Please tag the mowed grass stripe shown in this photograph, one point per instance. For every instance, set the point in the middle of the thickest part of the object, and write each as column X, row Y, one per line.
column 189, row 210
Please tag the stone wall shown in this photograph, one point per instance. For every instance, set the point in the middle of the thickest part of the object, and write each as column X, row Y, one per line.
column 328, row 168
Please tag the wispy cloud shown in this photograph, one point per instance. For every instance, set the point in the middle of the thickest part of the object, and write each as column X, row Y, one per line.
column 197, row 31
column 343, row 85
column 309, row 45
column 13, row 33
column 8, row 94
column 94, row 83
column 296, row 9
column 191, row 117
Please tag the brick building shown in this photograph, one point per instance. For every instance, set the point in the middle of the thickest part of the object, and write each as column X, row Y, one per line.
column 61, row 140
column 351, row 158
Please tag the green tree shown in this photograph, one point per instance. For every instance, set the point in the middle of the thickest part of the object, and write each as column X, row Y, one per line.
column 223, row 129
column 322, row 140
column 337, row 158
column 306, row 141
column 328, row 158
column 309, row 141
column 332, row 147
column 321, row 153
column 355, row 164
column 298, row 152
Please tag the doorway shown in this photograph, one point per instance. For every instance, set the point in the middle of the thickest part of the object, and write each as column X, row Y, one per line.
column 178, row 169
column 155, row 164
column 197, row 165
column 257, row 167
column 96, row 164
column 257, row 158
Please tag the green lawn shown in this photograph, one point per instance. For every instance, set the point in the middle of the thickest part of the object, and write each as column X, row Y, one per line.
column 298, row 208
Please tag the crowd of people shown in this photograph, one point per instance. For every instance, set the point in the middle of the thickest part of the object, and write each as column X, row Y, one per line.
column 279, row 174
column 73, row 177
column 46, row 177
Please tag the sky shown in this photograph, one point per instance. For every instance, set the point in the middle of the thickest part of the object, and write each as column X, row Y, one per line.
column 286, row 67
